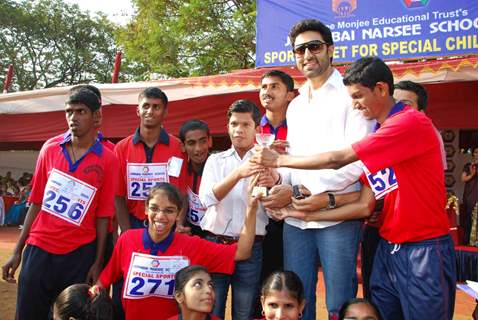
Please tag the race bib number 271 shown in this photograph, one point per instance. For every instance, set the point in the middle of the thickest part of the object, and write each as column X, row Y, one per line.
column 150, row 275
column 67, row 197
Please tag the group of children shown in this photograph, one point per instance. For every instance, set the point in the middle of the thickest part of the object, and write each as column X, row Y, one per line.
column 282, row 297
column 81, row 182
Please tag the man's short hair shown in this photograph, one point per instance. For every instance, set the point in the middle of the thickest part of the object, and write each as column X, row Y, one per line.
column 368, row 72
column 154, row 93
column 284, row 77
column 84, row 96
column 417, row 89
column 89, row 87
column 311, row 25
column 245, row 106
column 191, row 125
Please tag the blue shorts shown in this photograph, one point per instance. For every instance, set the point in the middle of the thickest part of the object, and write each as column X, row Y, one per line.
column 415, row 280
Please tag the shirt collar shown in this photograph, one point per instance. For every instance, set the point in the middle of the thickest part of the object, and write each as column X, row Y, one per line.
column 162, row 246
column 163, row 137
column 399, row 106
column 334, row 80
column 232, row 151
column 96, row 148
column 265, row 121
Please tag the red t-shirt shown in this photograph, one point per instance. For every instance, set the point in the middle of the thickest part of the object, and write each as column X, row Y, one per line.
column 280, row 132
column 211, row 317
column 215, row 257
column 110, row 145
column 407, row 142
column 67, row 219
column 131, row 150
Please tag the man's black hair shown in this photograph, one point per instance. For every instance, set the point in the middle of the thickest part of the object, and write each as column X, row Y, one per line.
column 245, row 106
column 89, row 87
column 417, row 89
column 84, row 96
column 154, row 93
column 284, row 77
column 368, row 72
column 191, row 125
column 311, row 25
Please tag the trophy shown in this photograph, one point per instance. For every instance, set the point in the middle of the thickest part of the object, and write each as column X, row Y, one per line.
column 265, row 140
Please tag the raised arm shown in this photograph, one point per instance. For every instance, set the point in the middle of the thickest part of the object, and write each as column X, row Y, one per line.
column 248, row 231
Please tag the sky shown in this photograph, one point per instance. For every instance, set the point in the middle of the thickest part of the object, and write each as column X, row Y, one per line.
column 118, row 11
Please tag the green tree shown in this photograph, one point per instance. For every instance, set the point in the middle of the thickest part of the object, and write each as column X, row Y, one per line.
column 51, row 43
column 191, row 37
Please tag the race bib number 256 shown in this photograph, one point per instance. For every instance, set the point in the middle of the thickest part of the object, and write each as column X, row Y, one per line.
column 67, row 197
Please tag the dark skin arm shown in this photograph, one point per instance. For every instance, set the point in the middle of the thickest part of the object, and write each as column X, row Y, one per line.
column 101, row 233
column 9, row 268
column 248, row 231
column 122, row 214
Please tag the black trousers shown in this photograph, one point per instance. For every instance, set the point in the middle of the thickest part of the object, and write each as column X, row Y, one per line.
column 272, row 256
column 370, row 240
column 44, row 275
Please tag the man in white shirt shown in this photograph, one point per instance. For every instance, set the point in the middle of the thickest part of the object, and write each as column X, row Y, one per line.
column 223, row 192
column 321, row 119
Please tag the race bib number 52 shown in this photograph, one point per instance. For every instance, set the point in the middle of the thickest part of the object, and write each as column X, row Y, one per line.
column 382, row 182
column 67, row 197
column 150, row 275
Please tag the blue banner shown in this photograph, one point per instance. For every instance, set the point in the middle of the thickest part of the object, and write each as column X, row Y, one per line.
column 389, row 29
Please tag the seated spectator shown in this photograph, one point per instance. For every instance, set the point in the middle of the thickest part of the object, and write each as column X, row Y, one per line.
column 2, row 209
column 194, row 293
column 358, row 309
column 76, row 303
column 17, row 210
column 282, row 296
column 12, row 188
column 24, row 179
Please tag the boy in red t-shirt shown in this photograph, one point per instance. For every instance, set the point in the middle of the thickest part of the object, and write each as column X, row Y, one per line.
column 196, row 141
column 72, row 200
column 414, row 268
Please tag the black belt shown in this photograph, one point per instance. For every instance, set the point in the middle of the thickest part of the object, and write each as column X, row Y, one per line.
column 229, row 240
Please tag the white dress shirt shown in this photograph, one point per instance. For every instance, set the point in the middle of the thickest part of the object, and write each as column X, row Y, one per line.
column 226, row 217
column 319, row 121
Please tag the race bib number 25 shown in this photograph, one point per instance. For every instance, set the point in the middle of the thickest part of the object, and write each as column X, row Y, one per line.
column 67, row 197
column 143, row 176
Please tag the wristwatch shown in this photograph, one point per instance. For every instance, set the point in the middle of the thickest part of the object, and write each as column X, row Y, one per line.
column 331, row 204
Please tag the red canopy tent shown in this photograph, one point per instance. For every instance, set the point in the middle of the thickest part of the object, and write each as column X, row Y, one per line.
column 29, row 118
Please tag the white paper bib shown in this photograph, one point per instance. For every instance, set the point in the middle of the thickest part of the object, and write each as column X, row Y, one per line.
column 67, row 197
column 196, row 209
column 152, row 276
column 140, row 177
column 382, row 182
